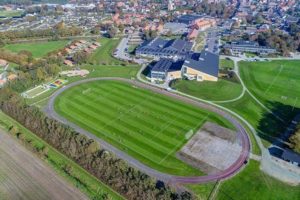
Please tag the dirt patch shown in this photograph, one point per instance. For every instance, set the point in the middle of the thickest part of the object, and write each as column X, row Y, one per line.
column 23, row 176
column 212, row 149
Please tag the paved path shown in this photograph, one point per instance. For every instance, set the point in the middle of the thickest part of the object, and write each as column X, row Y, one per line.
column 241, row 134
column 25, row 177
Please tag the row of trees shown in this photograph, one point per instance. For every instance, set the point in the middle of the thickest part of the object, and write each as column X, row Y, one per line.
column 28, row 33
column 284, row 43
column 22, row 58
column 113, row 171
column 216, row 9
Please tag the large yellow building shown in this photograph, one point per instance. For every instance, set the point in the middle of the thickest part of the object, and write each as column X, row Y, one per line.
column 203, row 68
column 200, row 67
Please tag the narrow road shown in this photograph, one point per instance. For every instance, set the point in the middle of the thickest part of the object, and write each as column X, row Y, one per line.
column 241, row 134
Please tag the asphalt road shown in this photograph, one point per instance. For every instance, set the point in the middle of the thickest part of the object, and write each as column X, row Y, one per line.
column 241, row 134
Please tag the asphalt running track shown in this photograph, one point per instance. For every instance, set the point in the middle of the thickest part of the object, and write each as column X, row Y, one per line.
column 172, row 179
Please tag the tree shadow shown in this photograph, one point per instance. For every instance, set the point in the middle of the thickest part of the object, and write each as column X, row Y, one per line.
column 276, row 126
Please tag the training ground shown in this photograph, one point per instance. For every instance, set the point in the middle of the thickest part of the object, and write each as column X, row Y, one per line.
column 120, row 109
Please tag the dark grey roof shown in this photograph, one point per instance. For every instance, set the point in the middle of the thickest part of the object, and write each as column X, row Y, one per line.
column 167, row 65
column 163, row 65
column 291, row 156
column 166, row 47
column 207, row 63
column 245, row 44
column 188, row 19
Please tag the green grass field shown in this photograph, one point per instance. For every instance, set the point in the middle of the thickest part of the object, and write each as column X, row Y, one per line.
column 93, row 188
column 95, row 71
column 254, row 114
column 252, row 184
column 38, row 49
column 276, row 85
column 214, row 91
column 10, row 13
column 226, row 63
column 146, row 125
column 103, row 55
column 273, row 81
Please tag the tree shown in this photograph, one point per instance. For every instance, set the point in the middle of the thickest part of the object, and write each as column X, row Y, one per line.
column 112, row 32
column 295, row 139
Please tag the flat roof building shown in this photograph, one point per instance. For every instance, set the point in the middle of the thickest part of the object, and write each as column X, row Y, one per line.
column 188, row 19
column 200, row 67
column 206, row 67
column 248, row 46
column 291, row 157
column 161, row 48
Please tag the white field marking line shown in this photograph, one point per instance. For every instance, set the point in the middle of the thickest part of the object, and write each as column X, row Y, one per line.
column 165, row 126
column 127, row 111
column 33, row 89
column 232, row 100
column 296, row 100
column 46, row 90
column 171, row 152
column 266, row 181
column 180, row 143
column 109, row 123
column 39, row 101
column 274, row 80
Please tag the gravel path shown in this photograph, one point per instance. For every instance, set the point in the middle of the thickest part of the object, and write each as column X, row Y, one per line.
column 241, row 134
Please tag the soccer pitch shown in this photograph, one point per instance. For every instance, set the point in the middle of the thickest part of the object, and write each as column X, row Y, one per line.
column 146, row 125
column 275, row 81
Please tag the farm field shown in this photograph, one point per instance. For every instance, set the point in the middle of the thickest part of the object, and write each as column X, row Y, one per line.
column 38, row 49
column 252, row 184
column 32, row 180
column 221, row 90
column 92, row 187
column 146, row 125
column 103, row 55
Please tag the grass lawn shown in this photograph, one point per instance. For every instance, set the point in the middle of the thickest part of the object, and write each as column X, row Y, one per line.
column 266, row 126
column 214, row 91
column 10, row 13
column 273, row 81
column 226, row 63
column 251, row 183
column 148, row 126
column 103, row 55
column 38, row 49
column 276, row 85
column 202, row 191
column 93, row 188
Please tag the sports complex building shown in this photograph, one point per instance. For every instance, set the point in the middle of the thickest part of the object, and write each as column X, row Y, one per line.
column 176, row 60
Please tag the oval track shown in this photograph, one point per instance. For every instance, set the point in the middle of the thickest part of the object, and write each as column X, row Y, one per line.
column 173, row 179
